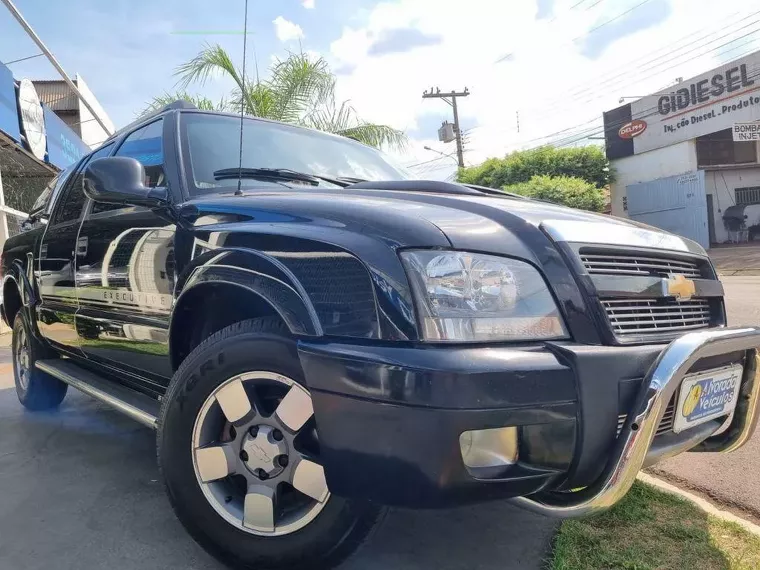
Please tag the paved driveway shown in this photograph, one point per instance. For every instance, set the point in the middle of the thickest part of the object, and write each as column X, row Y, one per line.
column 732, row 478
column 79, row 490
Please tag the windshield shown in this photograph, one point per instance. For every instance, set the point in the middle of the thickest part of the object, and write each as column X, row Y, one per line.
column 213, row 144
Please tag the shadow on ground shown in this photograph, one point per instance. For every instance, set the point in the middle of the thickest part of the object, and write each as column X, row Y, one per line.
column 79, row 489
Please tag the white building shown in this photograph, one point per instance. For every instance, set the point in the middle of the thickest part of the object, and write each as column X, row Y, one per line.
column 679, row 163
column 57, row 95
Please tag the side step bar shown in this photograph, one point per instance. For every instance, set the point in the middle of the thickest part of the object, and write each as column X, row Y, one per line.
column 137, row 406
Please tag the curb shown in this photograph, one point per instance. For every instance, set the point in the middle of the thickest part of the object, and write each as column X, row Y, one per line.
column 738, row 272
column 705, row 505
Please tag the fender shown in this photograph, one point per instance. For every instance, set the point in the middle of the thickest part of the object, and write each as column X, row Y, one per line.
column 256, row 273
column 17, row 274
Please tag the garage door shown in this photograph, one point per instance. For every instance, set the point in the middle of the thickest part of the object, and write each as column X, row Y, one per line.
column 676, row 204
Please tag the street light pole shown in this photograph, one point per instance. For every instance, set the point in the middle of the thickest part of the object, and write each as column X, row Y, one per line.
column 441, row 153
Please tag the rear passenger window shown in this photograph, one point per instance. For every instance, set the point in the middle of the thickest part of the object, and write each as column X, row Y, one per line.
column 72, row 202
column 146, row 146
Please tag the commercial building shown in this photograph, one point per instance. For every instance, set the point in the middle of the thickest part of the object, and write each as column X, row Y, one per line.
column 61, row 99
column 37, row 140
column 687, row 159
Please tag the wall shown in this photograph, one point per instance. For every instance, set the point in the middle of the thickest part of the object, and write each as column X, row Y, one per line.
column 92, row 133
column 721, row 184
column 676, row 159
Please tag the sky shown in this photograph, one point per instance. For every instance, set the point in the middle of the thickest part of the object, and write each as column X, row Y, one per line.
column 552, row 65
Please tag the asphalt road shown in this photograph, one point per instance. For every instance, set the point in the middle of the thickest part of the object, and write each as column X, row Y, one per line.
column 79, row 490
column 731, row 478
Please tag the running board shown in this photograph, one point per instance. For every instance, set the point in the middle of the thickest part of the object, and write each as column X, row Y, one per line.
column 137, row 406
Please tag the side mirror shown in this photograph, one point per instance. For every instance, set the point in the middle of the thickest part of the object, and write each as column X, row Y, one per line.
column 121, row 180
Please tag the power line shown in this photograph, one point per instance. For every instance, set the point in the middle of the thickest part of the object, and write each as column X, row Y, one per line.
column 649, row 70
column 23, row 58
column 592, row 30
column 678, row 63
column 607, row 84
column 598, row 130
column 425, row 162
column 601, row 88
column 605, row 79
column 510, row 54
column 646, row 112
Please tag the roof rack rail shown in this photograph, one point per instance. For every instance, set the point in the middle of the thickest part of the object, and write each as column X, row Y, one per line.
column 174, row 105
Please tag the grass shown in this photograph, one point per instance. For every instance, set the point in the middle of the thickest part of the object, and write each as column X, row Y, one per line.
column 653, row 530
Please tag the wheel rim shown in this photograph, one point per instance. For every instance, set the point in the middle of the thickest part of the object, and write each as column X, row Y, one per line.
column 22, row 359
column 256, row 454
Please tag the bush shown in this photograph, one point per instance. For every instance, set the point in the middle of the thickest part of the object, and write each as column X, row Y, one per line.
column 587, row 163
column 564, row 190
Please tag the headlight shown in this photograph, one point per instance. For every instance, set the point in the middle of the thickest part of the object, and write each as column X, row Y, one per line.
column 466, row 297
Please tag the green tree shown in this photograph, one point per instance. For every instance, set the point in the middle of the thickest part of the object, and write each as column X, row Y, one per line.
column 299, row 90
column 588, row 163
column 564, row 190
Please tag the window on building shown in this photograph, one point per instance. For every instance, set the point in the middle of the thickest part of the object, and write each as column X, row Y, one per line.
column 719, row 148
column 749, row 195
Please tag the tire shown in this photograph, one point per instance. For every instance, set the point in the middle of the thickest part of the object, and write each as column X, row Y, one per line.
column 36, row 389
column 263, row 345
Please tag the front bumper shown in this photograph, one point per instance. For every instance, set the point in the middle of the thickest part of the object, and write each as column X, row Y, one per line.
column 390, row 418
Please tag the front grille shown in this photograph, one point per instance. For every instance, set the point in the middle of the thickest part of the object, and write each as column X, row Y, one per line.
column 631, row 316
column 646, row 316
column 666, row 423
column 623, row 264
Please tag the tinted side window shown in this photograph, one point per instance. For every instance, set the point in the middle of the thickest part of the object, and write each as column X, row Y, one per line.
column 146, row 146
column 43, row 199
column 73, row 199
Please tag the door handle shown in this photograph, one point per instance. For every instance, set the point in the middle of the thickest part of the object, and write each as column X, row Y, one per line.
column 82, row 244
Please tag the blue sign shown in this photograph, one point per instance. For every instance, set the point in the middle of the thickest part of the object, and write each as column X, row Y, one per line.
column 8, row 108
column 64, row 147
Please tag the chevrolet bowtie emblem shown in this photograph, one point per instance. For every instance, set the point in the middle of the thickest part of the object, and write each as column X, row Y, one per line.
column 679, row 287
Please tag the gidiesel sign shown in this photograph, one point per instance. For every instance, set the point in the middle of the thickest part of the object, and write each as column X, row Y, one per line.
column 702, row 91
column 708, row 103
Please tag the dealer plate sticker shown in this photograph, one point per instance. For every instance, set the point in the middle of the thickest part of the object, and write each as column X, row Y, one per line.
column 707, row 395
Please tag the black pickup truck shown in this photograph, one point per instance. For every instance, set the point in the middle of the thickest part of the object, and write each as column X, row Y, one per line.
column 314, row 336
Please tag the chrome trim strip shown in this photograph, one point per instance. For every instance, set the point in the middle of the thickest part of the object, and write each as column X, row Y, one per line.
column 125, row 408
column 631, row 286
column 631, row 448
column 623, row 233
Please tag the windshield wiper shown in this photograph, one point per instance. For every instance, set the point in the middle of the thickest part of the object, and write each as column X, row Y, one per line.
column 277, row 174
column 284, row 174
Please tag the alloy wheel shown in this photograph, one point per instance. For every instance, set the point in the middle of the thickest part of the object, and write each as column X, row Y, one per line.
column 256, row 454
column 22, row 359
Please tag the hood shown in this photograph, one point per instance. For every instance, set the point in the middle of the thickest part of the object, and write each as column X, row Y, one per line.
column 429, row 218
column 493, row 222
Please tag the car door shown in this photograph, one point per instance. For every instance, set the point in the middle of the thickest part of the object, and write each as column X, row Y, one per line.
column 125, row 274
column 55, row 266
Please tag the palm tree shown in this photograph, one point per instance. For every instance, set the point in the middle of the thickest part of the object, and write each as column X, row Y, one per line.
column 300, row 90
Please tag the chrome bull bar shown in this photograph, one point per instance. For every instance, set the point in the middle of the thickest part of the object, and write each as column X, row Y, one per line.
column 629, row 452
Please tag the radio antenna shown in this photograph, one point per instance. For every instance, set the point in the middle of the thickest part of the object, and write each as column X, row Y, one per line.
column 239, row 192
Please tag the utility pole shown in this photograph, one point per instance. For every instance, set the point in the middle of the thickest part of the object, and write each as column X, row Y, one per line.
column 451, row 99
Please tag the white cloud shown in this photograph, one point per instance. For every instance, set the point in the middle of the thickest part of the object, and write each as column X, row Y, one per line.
column 548, row 80
column 287, row 30
column 308, row 4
